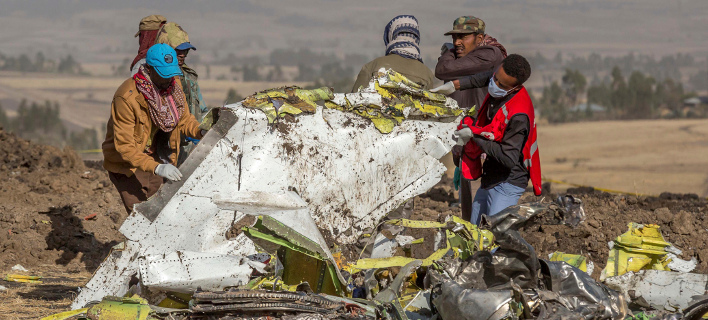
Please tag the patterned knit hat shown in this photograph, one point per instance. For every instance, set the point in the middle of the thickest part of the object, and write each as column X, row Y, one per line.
column 402, row 37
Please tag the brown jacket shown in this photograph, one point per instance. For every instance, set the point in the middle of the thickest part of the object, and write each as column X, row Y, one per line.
column 414, row 70
column 481, row 59
column 128, row 131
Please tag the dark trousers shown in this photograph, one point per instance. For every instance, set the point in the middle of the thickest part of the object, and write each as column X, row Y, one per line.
column 466, row 198
column 136, row 188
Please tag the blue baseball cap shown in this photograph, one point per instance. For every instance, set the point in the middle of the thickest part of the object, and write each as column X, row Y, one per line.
column 164, row 59
column 185, row 46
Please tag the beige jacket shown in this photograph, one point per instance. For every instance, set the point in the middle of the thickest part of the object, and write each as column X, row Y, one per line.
column 129, row 128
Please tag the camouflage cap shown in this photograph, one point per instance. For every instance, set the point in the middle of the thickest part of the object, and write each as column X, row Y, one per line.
column 152, row 22
column 467, row 24
column 172, row 34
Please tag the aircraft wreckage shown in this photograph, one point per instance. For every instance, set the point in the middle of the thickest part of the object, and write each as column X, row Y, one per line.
column 287, row 176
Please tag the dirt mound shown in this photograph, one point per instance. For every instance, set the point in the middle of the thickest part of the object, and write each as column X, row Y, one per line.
column 45, row 194
column 682, row 218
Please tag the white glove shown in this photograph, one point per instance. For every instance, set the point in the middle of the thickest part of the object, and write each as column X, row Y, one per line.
column 462, row 136
column 168, row 171
column 445, row 89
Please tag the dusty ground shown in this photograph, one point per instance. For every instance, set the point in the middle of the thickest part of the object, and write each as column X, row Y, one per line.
column 34, row 301
column 46, row 198
column 648, row 156
column 45, row 194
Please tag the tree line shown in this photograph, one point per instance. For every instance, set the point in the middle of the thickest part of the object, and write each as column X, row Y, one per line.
column 640, row 96
column 40, row 63
column 322, row 69
column 41, row 123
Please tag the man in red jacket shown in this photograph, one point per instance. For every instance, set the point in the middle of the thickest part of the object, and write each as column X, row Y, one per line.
column 505, row 130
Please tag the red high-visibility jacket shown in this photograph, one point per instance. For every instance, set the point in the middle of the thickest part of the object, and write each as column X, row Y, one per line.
column 471, row 164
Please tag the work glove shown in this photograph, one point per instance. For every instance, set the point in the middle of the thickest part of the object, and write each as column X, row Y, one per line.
column 445, row 89
column 168, row 171
column 463, row 135
column 447, row 46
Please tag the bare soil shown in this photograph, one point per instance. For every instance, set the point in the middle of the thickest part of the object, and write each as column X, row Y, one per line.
column 682, row 219
column 45, row 195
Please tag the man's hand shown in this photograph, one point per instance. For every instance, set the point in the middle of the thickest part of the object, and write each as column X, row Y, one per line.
column 457, row 150
column 168, row 171
column 447, row 46
column 446, row 89
column 463, row 135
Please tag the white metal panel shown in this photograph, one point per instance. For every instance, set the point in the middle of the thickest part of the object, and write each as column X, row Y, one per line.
column 663, row 289
column 348, row 173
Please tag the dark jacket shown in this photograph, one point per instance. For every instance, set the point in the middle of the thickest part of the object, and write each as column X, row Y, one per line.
column 481, row 59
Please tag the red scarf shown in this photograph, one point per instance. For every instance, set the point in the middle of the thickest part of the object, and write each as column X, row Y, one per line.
column 147, row 39
column 166, row 106
column 491, row 41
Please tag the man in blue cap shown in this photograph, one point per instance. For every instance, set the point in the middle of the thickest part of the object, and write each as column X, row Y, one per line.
column 149, row 114
column 173, row 35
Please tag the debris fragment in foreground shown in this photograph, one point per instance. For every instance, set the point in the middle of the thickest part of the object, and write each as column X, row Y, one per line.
column 23, row 278
column 67, row 315
column 573, row 211
column 512, row 282
column 19, row 267
column 574, row 260
column 663, row 290
column 642, row 247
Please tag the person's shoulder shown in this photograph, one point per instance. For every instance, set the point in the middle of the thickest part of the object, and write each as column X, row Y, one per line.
column 380, row 61
column 126, row 89
column 189, row 72
column 485, row 50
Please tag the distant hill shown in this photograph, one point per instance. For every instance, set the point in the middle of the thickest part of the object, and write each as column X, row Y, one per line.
column 102, row 30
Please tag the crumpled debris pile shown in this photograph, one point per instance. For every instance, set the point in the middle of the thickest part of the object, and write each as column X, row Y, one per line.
column 473, row 273
column 178, row 264
column 643, row 248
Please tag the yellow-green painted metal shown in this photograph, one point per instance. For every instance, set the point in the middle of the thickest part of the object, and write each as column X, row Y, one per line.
column 117, row 308
column 66, row 315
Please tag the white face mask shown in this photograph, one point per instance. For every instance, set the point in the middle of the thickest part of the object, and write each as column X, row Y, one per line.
column 495, row 91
